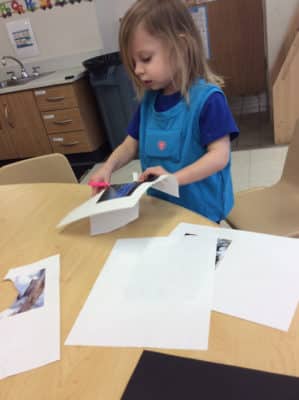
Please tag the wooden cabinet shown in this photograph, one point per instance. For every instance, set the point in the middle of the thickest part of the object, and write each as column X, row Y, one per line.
column 7, row 148
column 22, row 133
column 70, row 117
column 56, row 97
column 62, row 119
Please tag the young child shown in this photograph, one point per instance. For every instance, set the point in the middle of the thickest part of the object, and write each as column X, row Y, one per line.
column 183, row 125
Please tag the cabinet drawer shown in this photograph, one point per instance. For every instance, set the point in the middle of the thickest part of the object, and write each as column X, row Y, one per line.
column 56, row 98
column 72, row 142
column 63, row 121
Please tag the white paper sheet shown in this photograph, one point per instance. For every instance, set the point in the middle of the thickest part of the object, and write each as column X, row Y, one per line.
column 258, row 276
column 112, row 220
column 153, row 292
column 30, row 328
column 119, row 210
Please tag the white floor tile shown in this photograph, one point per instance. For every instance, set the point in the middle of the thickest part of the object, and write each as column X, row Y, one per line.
column 240, row 169
column 266, row 166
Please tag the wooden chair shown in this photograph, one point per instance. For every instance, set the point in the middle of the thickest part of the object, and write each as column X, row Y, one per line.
column 47, row 168
column 275, row 209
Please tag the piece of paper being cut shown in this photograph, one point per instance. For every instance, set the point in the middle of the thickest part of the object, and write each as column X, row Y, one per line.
column 117, row 205
column 30, row 328
column 135, row 176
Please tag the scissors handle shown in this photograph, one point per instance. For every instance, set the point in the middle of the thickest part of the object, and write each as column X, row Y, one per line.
column 99, row 184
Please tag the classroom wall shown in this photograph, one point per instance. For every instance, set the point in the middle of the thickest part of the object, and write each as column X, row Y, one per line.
column 278, row 15
column 67, row 35
column 278, row 18
column 109, row 12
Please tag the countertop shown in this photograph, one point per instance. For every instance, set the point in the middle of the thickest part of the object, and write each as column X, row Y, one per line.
column 53, row 78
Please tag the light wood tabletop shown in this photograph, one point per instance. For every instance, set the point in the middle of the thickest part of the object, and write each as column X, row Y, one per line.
column 28, row 216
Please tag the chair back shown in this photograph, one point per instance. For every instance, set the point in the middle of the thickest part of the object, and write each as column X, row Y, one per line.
column 290, row 173
column 53, row 167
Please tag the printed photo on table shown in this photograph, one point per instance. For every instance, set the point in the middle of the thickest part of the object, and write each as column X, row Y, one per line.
column 31, row 293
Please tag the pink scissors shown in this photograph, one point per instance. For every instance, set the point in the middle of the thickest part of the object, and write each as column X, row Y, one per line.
column 101, row 185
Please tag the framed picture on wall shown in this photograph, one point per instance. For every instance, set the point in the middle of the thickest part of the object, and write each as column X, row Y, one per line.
column 22, row 38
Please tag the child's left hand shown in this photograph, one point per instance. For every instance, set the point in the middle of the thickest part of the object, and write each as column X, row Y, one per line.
column 157, row 171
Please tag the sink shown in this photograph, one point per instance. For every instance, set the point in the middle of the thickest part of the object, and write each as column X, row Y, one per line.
column 22, row 81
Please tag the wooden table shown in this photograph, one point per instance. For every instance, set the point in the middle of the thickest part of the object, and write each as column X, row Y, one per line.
column 28, row 216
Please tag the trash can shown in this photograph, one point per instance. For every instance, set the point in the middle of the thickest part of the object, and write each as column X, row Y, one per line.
column 114, row 93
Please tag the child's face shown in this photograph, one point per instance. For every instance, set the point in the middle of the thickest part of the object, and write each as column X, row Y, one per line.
column 152, row 62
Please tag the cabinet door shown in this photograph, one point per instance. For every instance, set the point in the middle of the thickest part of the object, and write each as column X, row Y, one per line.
column 7, row 147
column 236, row 33
column 25, row 125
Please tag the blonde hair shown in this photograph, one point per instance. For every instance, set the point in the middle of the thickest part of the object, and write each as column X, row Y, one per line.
column 171, row 22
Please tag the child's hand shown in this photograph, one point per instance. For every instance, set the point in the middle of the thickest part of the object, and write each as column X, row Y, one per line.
column 103, row 174
column 157, row 171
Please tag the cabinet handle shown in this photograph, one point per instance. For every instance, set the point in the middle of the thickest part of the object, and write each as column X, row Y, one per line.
column 70, row 144
column 55, row 98
column 6, row 114
column 64, row 122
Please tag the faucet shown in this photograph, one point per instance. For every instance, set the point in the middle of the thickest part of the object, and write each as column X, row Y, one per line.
column 24, row 73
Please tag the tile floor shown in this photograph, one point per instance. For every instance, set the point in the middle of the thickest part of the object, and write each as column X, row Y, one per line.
column 256, row 132
column 252, row 116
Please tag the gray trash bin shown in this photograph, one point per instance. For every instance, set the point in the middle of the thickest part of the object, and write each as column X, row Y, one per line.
column 114, row 93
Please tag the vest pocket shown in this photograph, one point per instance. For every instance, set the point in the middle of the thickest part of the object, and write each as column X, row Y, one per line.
column 166, row 145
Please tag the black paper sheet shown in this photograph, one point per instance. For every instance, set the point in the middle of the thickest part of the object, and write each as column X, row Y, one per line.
column 163, row 377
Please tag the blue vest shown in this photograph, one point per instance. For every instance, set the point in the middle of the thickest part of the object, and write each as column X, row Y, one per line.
column 172, row 139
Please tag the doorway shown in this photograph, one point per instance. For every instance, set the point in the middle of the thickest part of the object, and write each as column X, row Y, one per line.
column 236, row 32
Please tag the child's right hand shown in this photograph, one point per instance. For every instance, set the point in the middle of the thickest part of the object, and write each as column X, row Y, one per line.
column 103, row 174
